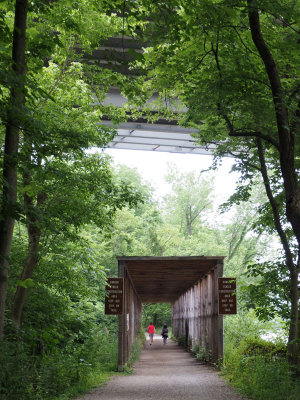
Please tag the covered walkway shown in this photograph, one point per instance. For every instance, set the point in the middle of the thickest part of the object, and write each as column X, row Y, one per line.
column 189, row 283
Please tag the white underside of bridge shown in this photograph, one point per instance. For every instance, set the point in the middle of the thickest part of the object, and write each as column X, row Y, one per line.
column 159, row 138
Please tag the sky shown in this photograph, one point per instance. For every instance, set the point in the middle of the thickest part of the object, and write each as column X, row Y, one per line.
column 152, row 166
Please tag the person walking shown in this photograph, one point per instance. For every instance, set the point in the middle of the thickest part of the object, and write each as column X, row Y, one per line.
column 165, row 333
column 151, row 331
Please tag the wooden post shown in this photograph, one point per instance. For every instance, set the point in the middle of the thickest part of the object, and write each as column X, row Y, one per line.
column 220, row 318
column 122, row 322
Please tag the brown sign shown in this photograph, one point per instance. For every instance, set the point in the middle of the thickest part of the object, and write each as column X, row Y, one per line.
column 227, row 296
column 114, row 296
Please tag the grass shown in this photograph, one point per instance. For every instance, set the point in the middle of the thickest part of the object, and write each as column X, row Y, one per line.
column 136, row 348
column 95, row 379
column 99, row 377
column 260, row 379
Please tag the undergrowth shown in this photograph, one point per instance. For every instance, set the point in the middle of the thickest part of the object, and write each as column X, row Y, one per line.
column 136, row 349
column 61, row 373
column 258, row 368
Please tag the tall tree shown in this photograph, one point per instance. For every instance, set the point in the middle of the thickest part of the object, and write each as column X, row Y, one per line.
column 13, row 126
column 236, row 69
column 190, row 200
column 31, row 116
column 61, row 198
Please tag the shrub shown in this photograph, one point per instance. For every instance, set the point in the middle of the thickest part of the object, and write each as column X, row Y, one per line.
column 201, row 354
column 259, row 369
column 195, row 349
column 267, row 349
column 181, row 341
column 71, row 366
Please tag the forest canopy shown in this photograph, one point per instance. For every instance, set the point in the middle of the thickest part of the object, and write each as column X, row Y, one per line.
column 228, row 70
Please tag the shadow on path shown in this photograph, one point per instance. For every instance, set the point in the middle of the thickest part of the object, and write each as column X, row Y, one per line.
column 166, row 372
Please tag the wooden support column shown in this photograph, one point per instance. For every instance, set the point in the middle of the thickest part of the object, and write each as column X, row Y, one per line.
column 122, row 322
column 220, row 317
column 130, row 320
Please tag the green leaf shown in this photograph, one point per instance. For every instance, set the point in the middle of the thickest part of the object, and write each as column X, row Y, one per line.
column 27, row 283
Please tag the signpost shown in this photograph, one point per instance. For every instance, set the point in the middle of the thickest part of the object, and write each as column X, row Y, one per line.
column 227, row 296
column 114, row 296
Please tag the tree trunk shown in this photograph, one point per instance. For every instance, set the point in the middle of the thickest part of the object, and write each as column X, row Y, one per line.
column 293, row 345
column 286, row 137
column 9, row 191
column 287, row 164
column 34, row 234
column 294, row 296
column 188, row 217
column 31, row 261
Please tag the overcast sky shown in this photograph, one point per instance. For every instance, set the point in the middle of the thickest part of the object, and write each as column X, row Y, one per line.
column 152, row 166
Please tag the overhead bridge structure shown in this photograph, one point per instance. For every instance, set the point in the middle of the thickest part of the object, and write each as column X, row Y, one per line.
column 159, row 137
column 189, row 283
column 164, row 135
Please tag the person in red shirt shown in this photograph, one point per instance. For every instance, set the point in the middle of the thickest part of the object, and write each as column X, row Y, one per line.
column 151, row 331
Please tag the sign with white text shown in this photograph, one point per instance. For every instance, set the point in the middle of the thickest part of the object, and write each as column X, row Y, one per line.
column 114, row 296
column 227, row 296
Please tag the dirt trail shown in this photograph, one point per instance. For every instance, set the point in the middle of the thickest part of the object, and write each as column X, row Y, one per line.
column 166, row 372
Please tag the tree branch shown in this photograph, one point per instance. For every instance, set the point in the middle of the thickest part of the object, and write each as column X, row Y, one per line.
column 241, row 40
column 296, row 123
column 286, row 140
column 274, row 206
column 285, row 136
column 199, row 62
column 257, row 134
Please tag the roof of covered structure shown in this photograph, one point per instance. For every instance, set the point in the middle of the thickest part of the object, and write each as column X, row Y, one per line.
column 164, row 279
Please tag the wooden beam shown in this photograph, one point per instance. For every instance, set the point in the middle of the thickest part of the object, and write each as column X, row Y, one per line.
column 122, row 322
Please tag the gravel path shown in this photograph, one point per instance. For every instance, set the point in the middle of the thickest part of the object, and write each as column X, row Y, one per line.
column 166, row 372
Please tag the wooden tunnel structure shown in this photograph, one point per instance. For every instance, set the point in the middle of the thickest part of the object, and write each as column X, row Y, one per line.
column 189, row 283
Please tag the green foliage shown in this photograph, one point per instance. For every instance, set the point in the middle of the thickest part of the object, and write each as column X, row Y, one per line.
column 136, row 348
column 42, row 365
column 200, row 353
column 66, row 343
column 254, row 347
column 257, row 368
column 95, row 198
column 158, row 314
column 61, row 120
column 181, row 340
column 267, row 292
column 190, row 200
column 262, row 379
column 27, row 283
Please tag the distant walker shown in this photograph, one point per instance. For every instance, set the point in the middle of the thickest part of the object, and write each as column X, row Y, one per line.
column 165, row 333
column 151, row 331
